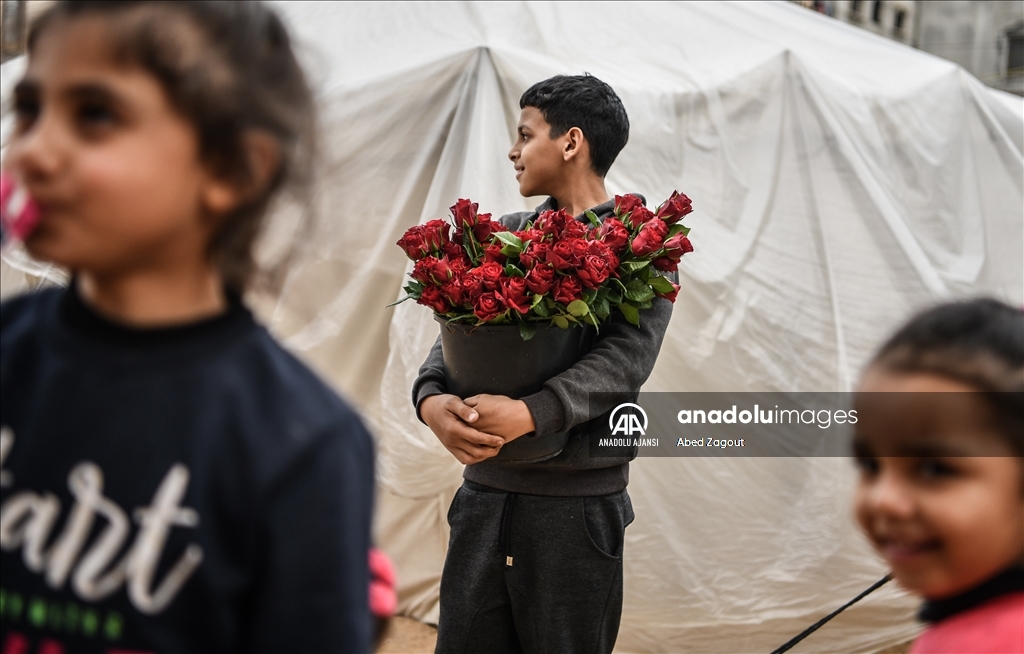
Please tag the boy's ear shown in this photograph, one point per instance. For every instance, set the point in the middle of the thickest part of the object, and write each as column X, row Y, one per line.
column 573, row 144
column 223, row 195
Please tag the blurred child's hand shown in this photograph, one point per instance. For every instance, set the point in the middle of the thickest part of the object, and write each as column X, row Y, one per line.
column 449, row 418
column 502, row 416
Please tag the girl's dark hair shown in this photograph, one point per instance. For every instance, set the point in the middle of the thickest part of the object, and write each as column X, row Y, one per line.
column 230, row 69
column 977, row 342
column 588, row 103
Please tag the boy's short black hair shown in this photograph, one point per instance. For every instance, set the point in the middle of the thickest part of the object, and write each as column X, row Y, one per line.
column 977, row 342
column 586, row 102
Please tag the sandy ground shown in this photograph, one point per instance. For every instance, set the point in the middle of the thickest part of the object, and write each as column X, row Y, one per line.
column 408, row 636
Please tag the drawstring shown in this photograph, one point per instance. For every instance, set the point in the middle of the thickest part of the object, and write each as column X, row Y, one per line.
column 505, row 533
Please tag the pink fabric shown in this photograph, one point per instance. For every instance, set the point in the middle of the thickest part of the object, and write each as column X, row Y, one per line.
column 383, row 600
column 18, row 221
column 996, row 627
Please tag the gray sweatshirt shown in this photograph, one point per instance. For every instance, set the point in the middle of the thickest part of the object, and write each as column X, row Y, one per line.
column 619, row 362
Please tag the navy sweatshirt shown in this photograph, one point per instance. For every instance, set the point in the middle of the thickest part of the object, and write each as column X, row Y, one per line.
column 185, row 489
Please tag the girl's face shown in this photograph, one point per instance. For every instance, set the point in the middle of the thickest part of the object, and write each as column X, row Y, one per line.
column 941, row 494
column 114, row 168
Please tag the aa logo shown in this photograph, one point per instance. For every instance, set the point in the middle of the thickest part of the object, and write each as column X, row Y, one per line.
column 628, row 420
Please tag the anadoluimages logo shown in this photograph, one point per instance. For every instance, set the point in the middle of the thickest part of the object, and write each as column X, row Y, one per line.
column 625, row 420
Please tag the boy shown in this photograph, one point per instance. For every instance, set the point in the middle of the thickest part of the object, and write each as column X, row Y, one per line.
column 548, row 576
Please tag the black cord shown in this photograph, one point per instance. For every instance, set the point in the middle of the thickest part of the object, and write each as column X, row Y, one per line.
column 814, row 627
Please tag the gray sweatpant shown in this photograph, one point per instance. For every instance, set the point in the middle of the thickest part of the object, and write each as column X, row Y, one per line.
column 532, row 573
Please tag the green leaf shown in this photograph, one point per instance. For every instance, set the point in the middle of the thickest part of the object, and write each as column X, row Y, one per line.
column 633, row 266
column 589, row 295
column 510, row 239
column 414, row 287
column 527, row 330
column 407, row 297
column 537, row 299
column 631, row 314
column 591, row 319
column 540, row 308
column 645, row 305
column 676, row 229
column 601, row 307
column 578, row 308
column 510, row 251
column 661, row 285
column 512, row 271
column 560, row 321
column 592, row 217
column 639, row 291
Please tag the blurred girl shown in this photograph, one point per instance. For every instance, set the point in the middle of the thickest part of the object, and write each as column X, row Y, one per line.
column 172, row 479
column 939, row 444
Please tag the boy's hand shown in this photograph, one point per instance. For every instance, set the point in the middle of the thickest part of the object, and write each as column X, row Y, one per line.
column 449, row 417
column 502, row 416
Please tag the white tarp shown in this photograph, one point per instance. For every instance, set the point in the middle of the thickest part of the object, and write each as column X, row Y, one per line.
column 840, row 181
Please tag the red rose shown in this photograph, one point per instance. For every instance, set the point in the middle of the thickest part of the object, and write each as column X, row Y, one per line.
column 626, row 204
column 473, row 284
column 536, row 252
column 675, row 248
column 435, row 234
column 562, row 255
column 614, row 234
column 568, row 289
column 666, row 264
column 488, row 306
column 483, row 228
column 594, row 270
column 552, row 223
column 492, row 253
column 678, row 243
column 460, row 265
column 649, row 239
column 579, row 247
column 641, row 216
column 453, row 250
column 513, row 291
column 453, row 292
column 674, row 208
column 431, row 270
column 601, row 249
column 529, row 235
column 540, row 279
column 574, row 229
column 413, row 243
column 491, row 273
column 464, row 213
column 432, row 298
column 671, row 297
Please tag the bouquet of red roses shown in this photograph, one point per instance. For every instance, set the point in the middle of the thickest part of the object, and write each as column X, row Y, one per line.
column 557, row 270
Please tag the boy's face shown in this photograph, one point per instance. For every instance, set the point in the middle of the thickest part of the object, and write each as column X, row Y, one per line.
column 940, row 493
column 538, row 158
column 114, row 167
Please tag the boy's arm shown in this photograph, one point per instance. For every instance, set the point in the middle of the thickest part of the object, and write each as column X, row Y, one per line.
column 448, row 416
column 620, row 361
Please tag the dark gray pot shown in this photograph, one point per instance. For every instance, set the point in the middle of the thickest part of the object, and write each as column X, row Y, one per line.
column 494, row 359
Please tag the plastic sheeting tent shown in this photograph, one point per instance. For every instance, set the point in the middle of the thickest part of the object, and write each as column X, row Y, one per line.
column 840, row 181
